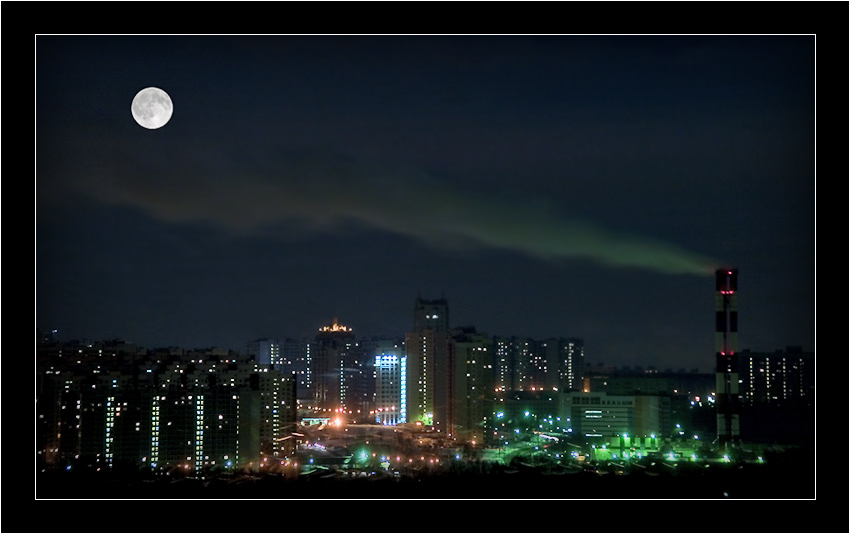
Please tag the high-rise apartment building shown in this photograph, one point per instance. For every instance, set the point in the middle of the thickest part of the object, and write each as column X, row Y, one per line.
column 526, row 364
column 189, row 410
column 265, row 352
column 431, row 315
column 777, row 378
column 471, row 353
column 333, row 362
column 297, row 357
column 359, row 380
column 777, row 395
column 429, row 373
column 391, row 387
column 564, row 359
column 519, row 366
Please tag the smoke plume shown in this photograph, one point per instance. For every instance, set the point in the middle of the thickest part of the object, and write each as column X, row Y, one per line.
column 318, row 193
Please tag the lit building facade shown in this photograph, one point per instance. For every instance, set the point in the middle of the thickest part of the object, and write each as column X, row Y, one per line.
column 777, row 378
column 265, row 352
column 359, row 380
column 474, row 381
column 192, row 411
column 564, row 359
column 429, row 374
column 526, row 364
column 431, row 315
column 391, row 388
column 297, row 357
column 423, row 350
column 599, row 416
column 332, row 362
column 520, row 366
column 777, row 396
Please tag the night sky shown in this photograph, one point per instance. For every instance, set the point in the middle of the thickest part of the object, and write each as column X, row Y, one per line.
column 582, row 186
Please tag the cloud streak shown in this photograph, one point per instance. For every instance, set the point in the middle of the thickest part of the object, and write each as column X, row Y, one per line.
column 320, row 193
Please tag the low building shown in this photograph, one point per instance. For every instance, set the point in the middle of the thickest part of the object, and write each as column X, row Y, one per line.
column 598, row 417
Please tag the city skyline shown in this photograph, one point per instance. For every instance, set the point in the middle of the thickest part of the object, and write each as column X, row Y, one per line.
column 546, row 186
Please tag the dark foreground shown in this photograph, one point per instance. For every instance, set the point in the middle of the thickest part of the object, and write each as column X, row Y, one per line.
column 743, row 481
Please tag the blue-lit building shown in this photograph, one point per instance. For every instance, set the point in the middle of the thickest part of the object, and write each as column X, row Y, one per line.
column 390, row 388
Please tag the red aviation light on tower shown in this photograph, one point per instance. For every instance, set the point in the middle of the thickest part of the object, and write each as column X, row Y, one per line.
column 727, row 281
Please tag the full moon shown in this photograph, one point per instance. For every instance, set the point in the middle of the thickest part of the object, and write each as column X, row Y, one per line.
column 152, row 108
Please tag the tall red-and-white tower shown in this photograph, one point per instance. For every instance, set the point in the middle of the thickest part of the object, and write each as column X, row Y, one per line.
column 726, row 333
